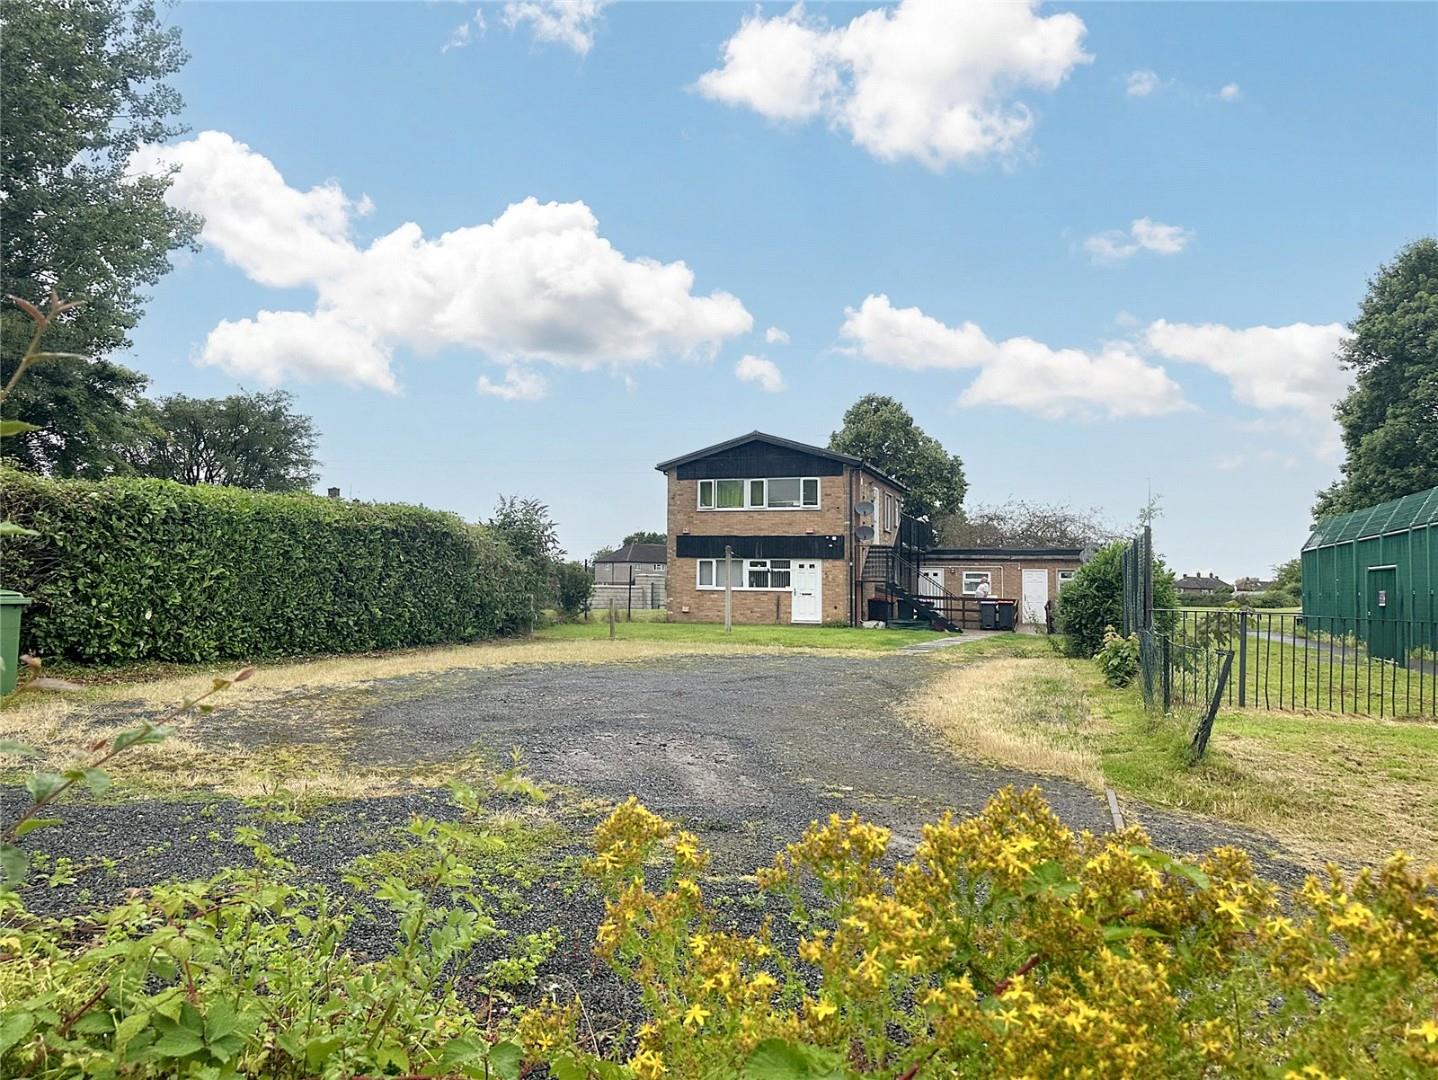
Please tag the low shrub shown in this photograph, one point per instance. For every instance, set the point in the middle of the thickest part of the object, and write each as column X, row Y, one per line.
column 575, row 586
column 126, row 570
column 1117, row 658
column 248, row 975
column 1006, row 946
column 1093, row 599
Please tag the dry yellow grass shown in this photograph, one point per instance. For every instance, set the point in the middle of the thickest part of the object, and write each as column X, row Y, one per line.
column 1029, row 714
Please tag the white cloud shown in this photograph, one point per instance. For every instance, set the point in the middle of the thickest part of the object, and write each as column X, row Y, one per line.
column 518, row 385
column 279, row 236
column 931, row 80
column 756, row 369
column 1268, row 367
column 1142, row 83
column 1143, row 234
column 570, row 23
column 464, row 33
column 775, row 336
column 277, row 345
column 1018, row 372
column 1230, row 92
column 537, row 284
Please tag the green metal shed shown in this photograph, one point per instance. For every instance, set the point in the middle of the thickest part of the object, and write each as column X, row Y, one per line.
column 1376, row 570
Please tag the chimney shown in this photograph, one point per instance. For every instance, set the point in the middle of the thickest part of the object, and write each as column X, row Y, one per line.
column 334, row 493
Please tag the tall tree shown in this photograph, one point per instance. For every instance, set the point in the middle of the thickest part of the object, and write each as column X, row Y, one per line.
column 255, row 441
column 644, row 536
column 881, row 431
column 84, row 86
column 1024, row 524
column 1390, row 417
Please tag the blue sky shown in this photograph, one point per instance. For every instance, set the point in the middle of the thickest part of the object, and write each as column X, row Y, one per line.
column 1093, row 248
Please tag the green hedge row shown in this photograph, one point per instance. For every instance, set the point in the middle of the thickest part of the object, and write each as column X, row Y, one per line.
column 154, row 570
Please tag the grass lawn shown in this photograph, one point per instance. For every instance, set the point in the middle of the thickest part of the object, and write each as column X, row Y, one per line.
column 1354, row 787
column 786, row 636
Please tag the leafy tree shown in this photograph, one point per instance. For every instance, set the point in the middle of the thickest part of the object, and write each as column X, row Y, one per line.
column 252, row 441
column 85, row 85
column 527, row 529
column 881, row 431
column 643, row 536
column 1390, row 417
column 1092, row 600
column 525, row 525
column 1287, row 587
column 1024, row 524
column 574, row 587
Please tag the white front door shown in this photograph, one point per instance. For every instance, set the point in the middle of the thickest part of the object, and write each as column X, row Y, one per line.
column 808, row 605
column 1036, row 595
column 931, row 582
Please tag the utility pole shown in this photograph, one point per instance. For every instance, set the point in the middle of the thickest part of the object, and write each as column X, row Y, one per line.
column 728, row 589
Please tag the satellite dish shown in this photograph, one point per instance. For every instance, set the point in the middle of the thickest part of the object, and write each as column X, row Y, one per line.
column 864, row 533
column 864, row 508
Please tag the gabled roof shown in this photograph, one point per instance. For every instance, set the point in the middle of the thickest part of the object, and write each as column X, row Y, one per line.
column 1410, row 512
column 787, row 444
column 1202, row 584
column 646, row 553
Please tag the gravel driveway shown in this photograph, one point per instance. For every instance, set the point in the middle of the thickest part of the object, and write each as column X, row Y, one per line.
column 745, row 749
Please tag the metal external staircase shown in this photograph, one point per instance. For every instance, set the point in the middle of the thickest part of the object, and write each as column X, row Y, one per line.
column 900, row 579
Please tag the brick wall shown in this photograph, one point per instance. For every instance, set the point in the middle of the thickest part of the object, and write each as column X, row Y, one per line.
column 1006, row 578
column 758, row 606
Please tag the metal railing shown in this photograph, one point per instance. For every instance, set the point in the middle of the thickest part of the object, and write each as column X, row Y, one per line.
column 1286, row 661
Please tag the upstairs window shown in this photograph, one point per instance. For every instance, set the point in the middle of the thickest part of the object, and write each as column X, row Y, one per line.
column 779, row 493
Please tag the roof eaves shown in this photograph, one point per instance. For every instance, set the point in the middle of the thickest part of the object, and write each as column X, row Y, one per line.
column 788, row 444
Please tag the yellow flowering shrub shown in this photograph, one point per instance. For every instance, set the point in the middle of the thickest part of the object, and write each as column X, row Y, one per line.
column 1007, row 945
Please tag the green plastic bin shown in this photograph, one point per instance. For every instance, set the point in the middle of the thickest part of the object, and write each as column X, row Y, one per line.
column 11, row 605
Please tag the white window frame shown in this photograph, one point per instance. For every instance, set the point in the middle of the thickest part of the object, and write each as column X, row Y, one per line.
column 891, row 512
column 969, row 589
column 746, row 488
column 742, row 567
column 1065, row 576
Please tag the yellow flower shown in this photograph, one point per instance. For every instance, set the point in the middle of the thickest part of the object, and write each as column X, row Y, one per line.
column 824, row 1008
column 763, row 982
column 1427, row 1031
column 697, row 944
column 1231, row 909
column 696, row 1016
column 647, row 1064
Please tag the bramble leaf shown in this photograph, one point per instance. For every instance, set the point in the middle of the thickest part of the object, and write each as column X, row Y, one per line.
column 34, row 823
column 14, row 862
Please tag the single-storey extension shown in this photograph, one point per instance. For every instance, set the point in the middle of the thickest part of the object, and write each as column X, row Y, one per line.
column 1031, row 577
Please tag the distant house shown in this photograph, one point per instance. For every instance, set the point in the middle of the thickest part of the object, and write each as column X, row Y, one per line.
column 634, row 578
column 1251, row 585
column 1201, row 584
column 632, row 562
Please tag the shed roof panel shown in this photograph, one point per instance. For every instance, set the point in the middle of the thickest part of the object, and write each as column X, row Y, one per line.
column 1410, row 512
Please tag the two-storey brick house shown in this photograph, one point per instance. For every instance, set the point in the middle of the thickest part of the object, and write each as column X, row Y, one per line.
column 798, row 519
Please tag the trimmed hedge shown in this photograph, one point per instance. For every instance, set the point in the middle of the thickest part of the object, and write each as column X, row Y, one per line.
column 154, row 570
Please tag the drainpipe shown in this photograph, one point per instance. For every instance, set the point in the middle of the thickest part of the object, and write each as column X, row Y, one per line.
column 849, row 542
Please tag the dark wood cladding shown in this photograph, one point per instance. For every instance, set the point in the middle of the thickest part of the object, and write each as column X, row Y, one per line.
column 760, row 547
column 758, row 460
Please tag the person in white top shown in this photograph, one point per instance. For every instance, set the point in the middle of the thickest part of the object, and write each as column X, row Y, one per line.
column 983, row 592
